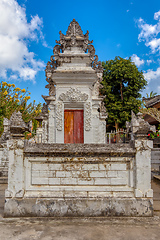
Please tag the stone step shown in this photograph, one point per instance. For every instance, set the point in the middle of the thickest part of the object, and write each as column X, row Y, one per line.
column 3, row 169
column 3, row 180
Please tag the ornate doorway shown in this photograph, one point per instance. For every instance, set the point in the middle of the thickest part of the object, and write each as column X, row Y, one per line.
column 73, row 126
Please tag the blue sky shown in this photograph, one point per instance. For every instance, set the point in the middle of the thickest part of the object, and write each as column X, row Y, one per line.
column 29, row 28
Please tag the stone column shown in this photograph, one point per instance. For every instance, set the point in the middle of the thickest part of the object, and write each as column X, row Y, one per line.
column 51, row 127
column 142, row 164
column 45, row 132
column 59, row 122
column 143, row 168
column 16, row 149
column 16, row 169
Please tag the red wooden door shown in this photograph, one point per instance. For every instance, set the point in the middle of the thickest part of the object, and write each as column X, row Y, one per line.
column 73, row 126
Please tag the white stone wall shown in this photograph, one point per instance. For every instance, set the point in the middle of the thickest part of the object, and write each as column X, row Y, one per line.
column 88, row 179
column 74, row 176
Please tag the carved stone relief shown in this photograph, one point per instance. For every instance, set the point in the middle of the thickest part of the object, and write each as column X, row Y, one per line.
column 96, row 88
column 87, row 116
column 59, row 116
column 74, row 29
column 103, row 112
column 52, row 89
column 73, row 95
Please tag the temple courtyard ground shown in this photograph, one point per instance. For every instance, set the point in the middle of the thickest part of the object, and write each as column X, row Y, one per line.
column 115, row 228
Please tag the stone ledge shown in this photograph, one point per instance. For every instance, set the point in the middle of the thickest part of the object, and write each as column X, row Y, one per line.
column 78, row 207
column 79, row 149
column 3, row 180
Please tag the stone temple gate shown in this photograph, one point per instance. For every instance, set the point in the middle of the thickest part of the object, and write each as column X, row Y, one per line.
column 86, row 177
column 76, row 111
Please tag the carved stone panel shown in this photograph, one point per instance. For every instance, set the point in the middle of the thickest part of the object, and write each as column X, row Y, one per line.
column 59, row 116
column 73, row 95
column 87, row 116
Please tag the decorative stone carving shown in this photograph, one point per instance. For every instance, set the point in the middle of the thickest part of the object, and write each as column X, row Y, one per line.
column 16, row 120
column 73, row 95
column 91, row 50
column 44, row 108
column 52, row 89
column 59, row 116
column 74, row 29
column 19, row 194
column 97, row 65
column 87, row 116
column 138, row 126
column 103, row 112
column 57, row 50
column 86, row 41
column 51, row 66
column 17, row 125
column 96, row 88
column 143, row 127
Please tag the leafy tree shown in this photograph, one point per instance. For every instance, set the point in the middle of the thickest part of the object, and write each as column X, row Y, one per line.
column 13, row 98
column 122, row 83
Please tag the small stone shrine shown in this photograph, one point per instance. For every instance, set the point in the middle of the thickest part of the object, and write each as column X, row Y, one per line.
column 76, row 111
column 70, row 170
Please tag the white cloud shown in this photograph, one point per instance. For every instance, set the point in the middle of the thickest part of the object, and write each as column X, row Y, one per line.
column 157, row 15
column 150, row 32
column 154, row 44
column 152, row 75
column 16, row 61
column 146, row 30
column 137, row 60
column 149, row 61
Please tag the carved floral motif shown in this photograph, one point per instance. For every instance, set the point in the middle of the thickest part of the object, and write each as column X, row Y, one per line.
column 87, row 116
column 59, row 116
column 74, row 29
column 73, row 95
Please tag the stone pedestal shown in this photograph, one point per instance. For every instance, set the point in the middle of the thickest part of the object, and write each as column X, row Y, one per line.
column 77, row 180
column 143, row 161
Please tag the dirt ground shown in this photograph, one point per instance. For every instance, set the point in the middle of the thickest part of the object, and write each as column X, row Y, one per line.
column 120, row 228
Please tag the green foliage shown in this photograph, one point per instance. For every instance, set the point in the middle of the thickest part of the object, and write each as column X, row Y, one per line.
column 156, row 134
column 122, row 83
column 152, row 94
column 11, row 99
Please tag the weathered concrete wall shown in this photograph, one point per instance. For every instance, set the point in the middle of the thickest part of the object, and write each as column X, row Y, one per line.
column 155, row 159
column 78, row 180
column 79, row 176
